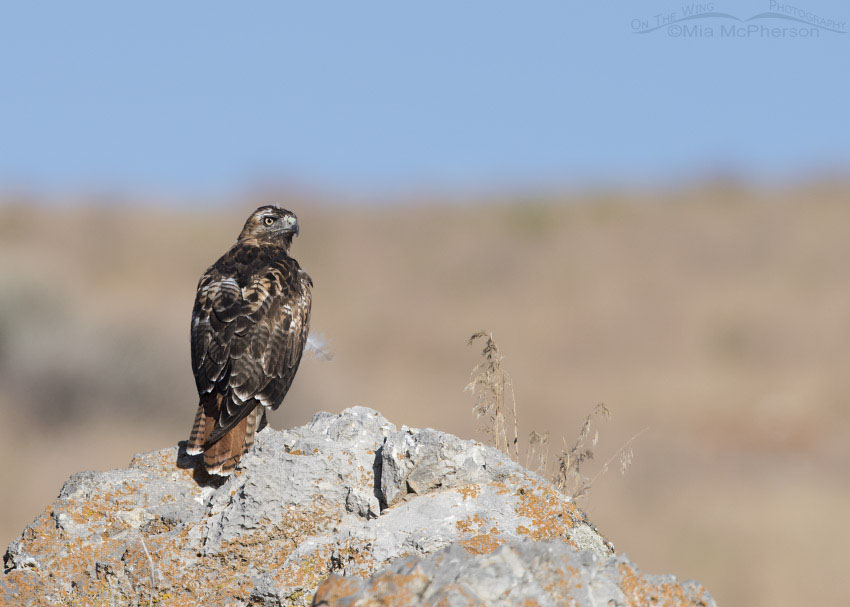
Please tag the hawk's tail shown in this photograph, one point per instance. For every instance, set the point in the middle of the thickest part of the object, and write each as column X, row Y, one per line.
column 222, row 456
column 195, row 446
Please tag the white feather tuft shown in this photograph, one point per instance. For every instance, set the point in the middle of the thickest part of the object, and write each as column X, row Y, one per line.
column 217, row 471
column 319, row 347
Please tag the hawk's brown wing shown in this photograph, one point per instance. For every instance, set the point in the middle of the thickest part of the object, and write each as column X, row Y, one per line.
column 249, row 327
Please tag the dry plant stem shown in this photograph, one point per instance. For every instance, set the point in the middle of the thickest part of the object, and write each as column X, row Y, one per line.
column 625, row 460
column 488, row 385
column 153, row 571
column 537, row 452
column 568, row 478
column 516, row 430
column 532, row 456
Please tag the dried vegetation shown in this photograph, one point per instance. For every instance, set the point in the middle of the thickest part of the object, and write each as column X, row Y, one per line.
column 495, row 406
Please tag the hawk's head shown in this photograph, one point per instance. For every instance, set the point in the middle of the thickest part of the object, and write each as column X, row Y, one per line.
column 271, row 224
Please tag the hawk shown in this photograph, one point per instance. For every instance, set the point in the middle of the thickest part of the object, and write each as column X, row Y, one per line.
column 249, row 327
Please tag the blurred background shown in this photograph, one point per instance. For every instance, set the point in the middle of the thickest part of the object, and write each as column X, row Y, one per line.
column 652, row 219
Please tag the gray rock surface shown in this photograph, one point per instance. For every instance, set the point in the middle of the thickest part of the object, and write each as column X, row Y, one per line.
column 347, row 494
column 520, row 573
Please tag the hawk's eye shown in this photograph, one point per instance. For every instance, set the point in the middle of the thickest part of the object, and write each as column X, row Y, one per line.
column 268, row 220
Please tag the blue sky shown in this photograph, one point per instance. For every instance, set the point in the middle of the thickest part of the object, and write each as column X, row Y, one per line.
column 362, row 97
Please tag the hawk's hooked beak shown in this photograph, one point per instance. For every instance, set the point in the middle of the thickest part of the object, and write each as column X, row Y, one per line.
column 291, row 225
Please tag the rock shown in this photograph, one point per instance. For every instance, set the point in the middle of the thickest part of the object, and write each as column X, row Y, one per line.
column 522, row 572
column 347, row 494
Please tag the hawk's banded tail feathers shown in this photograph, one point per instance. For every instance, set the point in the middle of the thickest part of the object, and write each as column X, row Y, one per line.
column 222, row 456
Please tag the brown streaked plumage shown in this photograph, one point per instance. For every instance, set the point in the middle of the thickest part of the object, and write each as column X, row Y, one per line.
column 249, row 327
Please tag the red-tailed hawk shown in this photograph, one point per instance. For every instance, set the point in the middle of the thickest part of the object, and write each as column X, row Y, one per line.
column 249, row 327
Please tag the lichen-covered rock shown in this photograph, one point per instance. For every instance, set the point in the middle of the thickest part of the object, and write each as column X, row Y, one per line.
column 346, row 494
column 517, row 574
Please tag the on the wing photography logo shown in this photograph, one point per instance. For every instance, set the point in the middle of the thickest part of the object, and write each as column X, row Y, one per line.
column 781, row 20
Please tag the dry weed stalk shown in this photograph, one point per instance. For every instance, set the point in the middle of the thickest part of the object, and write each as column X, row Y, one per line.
column 537, row 452
column 489, row 384
column 625, row 454
column 568, row 478
column 488, row 387
column 152, row 570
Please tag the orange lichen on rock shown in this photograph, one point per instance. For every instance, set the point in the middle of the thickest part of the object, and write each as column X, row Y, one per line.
column 255, row 548
column 550, row 514
column 565, row 584
column 483, row 543
column 470, row 524
column 391, row 589
column 328, row 594
column 470, row 491
column 640, row 592
column 474, row 539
